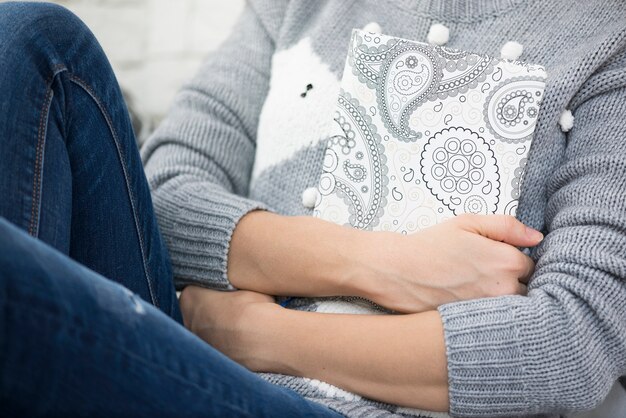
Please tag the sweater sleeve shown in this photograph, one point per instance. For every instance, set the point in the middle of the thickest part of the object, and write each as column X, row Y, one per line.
column 198, row 162
column 560, row 348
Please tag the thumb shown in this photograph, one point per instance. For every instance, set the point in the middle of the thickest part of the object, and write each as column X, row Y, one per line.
column 503, row 228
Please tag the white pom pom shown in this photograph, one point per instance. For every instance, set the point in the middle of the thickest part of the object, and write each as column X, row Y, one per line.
column 309, row 197
column 511, row 50
column 566, row 121
column 372, row 27
column 438, row 34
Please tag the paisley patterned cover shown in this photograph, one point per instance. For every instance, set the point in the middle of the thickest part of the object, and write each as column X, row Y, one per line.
column 423, row 133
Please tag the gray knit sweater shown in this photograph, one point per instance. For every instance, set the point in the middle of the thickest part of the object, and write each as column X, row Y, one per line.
column 243, row 135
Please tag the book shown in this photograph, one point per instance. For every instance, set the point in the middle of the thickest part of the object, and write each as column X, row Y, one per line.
column 423, row 133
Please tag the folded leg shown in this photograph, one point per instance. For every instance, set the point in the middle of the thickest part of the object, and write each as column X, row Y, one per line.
column 73, row 343
column 70, row 171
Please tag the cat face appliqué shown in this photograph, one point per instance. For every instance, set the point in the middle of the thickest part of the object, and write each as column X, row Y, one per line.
column 298, row 111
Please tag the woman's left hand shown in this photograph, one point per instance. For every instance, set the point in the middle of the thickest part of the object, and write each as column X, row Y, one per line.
column 231, row 322
column 398, row 359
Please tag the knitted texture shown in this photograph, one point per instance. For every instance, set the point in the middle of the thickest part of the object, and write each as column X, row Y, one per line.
column 557, row 350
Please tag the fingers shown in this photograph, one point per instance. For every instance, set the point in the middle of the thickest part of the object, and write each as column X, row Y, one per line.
column 526, row 267
column 522, row 289
column 520, row 269
column 517, row 265
column 501, row 228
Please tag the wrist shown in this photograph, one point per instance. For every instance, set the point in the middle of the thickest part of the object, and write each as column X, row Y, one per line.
column 370, row 260
column 385, row 272
column 270, row 348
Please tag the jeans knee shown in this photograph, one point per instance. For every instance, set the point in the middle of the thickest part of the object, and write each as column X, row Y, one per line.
column 21, row 18
column 29, row 27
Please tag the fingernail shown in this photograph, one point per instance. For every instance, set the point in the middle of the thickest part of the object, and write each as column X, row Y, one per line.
column 534, row 234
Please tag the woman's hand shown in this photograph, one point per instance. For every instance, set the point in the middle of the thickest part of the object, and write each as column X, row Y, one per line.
column 467, row 257
column 231, row 322
column 398, row 359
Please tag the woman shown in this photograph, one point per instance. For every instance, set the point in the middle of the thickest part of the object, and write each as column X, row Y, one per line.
column 71, row 177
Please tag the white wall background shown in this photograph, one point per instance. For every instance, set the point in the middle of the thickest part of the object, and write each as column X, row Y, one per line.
column 156, row 45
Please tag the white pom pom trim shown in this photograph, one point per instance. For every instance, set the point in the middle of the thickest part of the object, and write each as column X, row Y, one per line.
column 372, row 27
column 438, row 34
column 511, row 50
column 309, row 197
column 566, row 121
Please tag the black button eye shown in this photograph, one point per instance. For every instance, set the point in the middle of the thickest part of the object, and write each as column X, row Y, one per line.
column 309, row 87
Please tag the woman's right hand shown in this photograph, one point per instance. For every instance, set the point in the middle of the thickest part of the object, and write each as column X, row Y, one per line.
column 466, row 257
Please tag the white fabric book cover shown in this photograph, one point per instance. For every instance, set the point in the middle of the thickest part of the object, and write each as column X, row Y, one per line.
column 423, row 133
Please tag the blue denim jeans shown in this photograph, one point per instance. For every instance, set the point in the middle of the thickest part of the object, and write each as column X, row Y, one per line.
column 89, row 321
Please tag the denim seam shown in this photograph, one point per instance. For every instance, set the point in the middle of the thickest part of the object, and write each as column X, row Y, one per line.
column 35, row 210
column 82, row 84
column 33, row 228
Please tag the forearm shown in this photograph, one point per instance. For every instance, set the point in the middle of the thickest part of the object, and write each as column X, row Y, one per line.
column 291, row 256
column 305, row 256
column 398, row 359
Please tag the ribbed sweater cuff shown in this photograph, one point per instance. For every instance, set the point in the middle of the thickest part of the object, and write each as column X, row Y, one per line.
column 485, row 362
column 198, row 222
